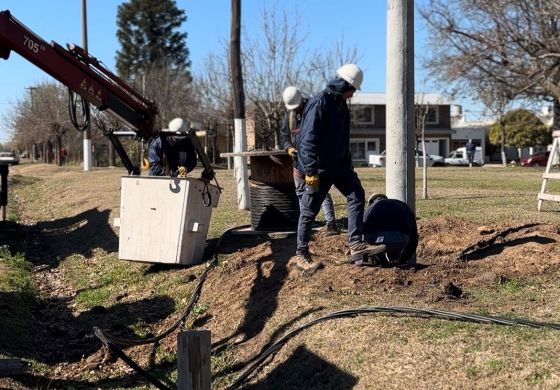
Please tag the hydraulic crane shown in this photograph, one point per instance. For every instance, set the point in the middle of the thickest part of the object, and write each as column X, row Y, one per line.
column 84, row 75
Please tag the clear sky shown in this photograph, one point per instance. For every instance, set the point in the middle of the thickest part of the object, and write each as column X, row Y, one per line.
column 362, row 24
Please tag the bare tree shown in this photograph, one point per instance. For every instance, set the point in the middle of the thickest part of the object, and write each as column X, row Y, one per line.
column 273, row 59
column 496, row 43
column 421, row 108
column 42, row 119
column 172, row 89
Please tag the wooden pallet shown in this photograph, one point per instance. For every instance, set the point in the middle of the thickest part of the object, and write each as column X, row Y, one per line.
column 548, row 175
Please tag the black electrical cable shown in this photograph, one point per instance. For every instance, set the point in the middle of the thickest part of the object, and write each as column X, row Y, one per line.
column 113, row 342
column 123, row 342
column 131, row 363
column 72, row 110
column 391, row 310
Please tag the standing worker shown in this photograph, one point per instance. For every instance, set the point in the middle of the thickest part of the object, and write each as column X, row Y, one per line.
column 324, row 157
column 171, row 154
column 295, row 104
column 470, row 147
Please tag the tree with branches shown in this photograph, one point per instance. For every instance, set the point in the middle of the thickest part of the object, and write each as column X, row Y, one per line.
column 509, row 45
column 523, row 129
column 272, row 60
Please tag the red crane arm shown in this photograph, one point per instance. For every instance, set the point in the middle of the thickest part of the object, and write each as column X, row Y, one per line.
column 81, row 73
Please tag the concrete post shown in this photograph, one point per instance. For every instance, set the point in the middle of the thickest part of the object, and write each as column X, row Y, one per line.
column 87, row 133
column 400, row 144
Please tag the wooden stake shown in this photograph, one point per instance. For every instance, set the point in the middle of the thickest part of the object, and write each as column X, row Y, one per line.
column 193, row 360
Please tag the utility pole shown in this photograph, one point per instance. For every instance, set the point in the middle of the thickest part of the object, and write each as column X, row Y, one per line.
column 87, row 132
column 400, row 164
column 240, row 140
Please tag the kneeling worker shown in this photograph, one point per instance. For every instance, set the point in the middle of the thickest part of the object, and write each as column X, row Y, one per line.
column 392, row 224
column 171, row 154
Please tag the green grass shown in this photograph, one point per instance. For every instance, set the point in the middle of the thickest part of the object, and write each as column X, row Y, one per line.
column 489, row 195
column 539, row 377
column 16, row 276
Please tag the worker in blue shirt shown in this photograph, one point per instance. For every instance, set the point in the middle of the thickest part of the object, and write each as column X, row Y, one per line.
column 295, row 104
column 392, row 224
column 324, row 158
column 171, row 154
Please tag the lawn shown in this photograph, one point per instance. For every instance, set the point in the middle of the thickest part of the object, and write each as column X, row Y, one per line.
column 60, row 275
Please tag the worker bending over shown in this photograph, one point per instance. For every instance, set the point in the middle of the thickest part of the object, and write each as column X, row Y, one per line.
column 171, row 154
column 391, row 224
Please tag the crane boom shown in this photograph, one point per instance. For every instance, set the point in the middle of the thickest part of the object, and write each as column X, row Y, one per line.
column 86, row 76
column 81, row 73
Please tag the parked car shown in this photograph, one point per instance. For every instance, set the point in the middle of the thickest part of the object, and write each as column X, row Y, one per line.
column 459, row 157
column 535, row 160
column 9, row 158
column 433, row 160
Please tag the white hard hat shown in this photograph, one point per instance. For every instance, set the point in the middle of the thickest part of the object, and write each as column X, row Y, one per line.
column 292, row 97
column 177, row 124
column 352, row 74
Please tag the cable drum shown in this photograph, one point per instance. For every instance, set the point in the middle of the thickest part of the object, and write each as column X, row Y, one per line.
column 274, row 207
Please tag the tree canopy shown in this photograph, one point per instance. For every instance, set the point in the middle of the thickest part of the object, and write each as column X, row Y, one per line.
column 149, row 37
column 522, row 128
column 509, row 47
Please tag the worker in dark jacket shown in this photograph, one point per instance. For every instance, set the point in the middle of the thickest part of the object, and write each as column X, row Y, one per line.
column 295, row 104
column 324, row 157
column 171, row 154
column 391, row 223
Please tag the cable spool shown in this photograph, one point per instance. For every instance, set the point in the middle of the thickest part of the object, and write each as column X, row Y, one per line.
column 274, row 207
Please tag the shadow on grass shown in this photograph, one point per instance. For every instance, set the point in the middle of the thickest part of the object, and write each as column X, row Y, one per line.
column 131, row 381
column 46, row 331
column 271, row 273
column 50, row 241
column 497, row 248
column 305, row 370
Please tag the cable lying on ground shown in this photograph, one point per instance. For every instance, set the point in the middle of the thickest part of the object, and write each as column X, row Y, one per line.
column 115, row 343
column 390, row 310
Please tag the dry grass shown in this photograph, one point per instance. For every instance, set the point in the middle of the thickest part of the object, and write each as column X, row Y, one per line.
column 255, row 295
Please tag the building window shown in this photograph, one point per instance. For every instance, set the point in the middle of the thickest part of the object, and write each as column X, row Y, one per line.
column 432, row 116
column 360, row 149
column 362, row 115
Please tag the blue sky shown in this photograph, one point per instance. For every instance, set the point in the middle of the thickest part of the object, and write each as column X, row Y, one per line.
column 362, row 23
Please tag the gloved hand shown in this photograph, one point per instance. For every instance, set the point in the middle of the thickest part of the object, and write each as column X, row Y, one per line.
column 312, row 181
column 292, row 152
column 181, row 172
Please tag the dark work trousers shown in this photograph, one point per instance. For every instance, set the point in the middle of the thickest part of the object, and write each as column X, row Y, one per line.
column 347, row 182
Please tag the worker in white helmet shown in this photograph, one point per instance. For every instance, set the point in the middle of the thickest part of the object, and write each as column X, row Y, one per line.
column 325, row 160
column 170, row 153
column 295, row 104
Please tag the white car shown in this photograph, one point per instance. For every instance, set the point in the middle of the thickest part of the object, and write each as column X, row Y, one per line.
column 9, row 158
column 459, row 157
column 433, row 160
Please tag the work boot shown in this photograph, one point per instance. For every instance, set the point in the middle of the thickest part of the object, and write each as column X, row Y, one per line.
column 331, row 229
column 305, row 263
column 361, row 250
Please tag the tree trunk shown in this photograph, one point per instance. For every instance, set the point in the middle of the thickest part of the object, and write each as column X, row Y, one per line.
column 112, row 160
column 240, row 140
column 424, row 168
column 503, row 143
